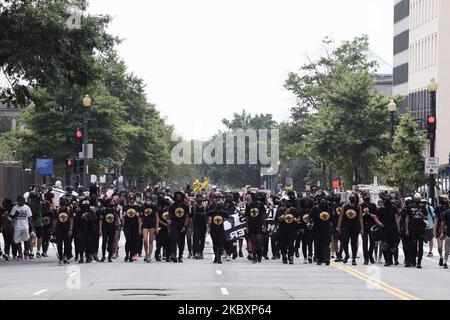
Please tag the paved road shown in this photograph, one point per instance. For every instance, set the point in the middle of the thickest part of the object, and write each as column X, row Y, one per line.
column 239, row 279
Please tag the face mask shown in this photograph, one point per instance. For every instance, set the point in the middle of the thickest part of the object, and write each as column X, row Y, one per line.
column 366, row 200
column 148, row 202
column 352, row 199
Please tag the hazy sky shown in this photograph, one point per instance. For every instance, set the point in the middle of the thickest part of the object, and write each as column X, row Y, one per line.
column 203, row 60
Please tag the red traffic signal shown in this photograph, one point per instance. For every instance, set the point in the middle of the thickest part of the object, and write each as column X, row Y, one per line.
column 69, row 163
column 79, row 134
column 431, row 120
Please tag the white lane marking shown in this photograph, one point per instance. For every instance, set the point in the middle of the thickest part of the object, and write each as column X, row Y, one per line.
column 218, row 272
column 40, row 292
column 224, row 291
column 436, row 261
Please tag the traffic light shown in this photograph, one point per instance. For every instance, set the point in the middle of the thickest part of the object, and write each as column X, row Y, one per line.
column 69, row 163
column 431, row 127
column 69, row 166
column 79, row 135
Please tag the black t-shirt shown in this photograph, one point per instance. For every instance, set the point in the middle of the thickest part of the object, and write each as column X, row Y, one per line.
column 288, row 223
column 416, row 222
column 198, row 216
column 178, row 213
column 164, row 217
column 321, row 218
column 387, row 217
column 304, row 218
column 47, row 217
column 367, row 219
column 255, row 213
column 110, row 217
column 218, row 217
column 335, row 216
column 64, row 215
column 351, row 215
column 148, row 215
column 446, row 220
column 440, row 214
column 131, row 216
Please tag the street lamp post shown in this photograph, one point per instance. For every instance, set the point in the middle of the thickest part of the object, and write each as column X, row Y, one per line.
column 87, row 103
column 392, row 107
column 432, row 89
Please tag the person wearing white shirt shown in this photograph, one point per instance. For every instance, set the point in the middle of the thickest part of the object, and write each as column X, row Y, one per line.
column 22, row 216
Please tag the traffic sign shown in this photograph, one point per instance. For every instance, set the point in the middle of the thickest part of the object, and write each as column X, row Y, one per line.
column 431, row 165
column 44, row 167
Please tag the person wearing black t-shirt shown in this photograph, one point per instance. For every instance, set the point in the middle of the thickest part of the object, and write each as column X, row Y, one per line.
column 388, row 217
column 131, row 229
column 80, row 224
column 288, row 218
column 416, row 217
column 198, row 219
column 350, row 226
column 321, row 219
column 216, row 218
column 63, row 229
column 162, row 238
column 150, row 225
column 47, row 220
column 255, row 213
column 179, row 219
column 369, row 211
column 109, row 222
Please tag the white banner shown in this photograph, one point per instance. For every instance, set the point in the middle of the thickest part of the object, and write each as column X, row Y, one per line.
column 234, row 227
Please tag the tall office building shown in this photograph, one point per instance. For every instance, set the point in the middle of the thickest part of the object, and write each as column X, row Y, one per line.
column 422, row 52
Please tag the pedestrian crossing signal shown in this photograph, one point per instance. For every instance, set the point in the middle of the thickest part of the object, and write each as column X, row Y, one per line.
column 431, row 127
column 69, row 163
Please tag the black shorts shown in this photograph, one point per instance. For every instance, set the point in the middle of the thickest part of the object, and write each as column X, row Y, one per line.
column 39, row 231
column 149, row 225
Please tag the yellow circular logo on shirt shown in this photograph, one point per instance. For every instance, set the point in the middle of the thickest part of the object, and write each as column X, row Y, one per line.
column 131, row 213
column 218, row 220
column 351, row 214
column 63, row 217
column 46, row 221
column 324, row 216
column 254, row 212
column 109, row 218
column 289, row 218
column 148, row 212
column 165, row 215
column 179, row 212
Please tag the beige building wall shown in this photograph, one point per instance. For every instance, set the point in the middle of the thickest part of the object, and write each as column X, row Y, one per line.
column 429, row 57
column 443, row 78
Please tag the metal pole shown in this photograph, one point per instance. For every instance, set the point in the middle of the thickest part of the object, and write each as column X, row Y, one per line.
column 432, row 149
column 85, row 141
column 392, row 129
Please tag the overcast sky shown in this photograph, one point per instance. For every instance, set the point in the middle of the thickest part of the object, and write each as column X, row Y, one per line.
column 203, row 60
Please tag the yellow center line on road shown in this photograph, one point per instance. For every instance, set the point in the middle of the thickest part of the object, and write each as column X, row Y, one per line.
column 396, row 292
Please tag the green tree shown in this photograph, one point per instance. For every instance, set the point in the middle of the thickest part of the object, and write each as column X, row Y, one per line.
column 239, row 175
column 405, row 162
column 37, row 49
column 341, row 122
